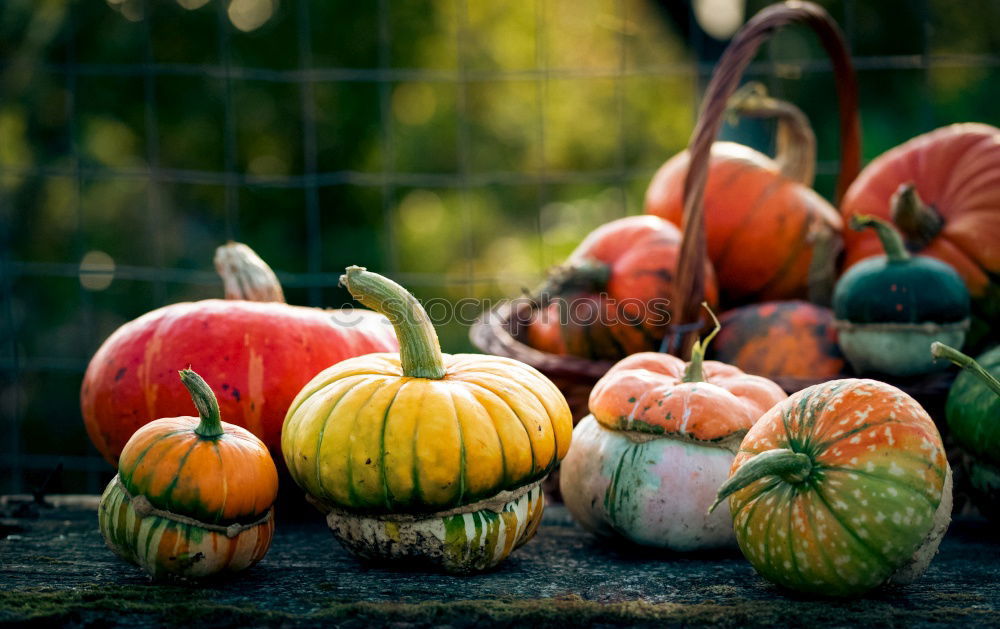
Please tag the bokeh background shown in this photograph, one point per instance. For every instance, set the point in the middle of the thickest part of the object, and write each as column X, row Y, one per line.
column 458, row 146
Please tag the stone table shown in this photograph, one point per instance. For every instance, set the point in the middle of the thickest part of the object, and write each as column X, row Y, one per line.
column 54, row 568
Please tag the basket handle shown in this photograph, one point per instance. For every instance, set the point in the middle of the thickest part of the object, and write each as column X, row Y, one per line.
column 725, row 80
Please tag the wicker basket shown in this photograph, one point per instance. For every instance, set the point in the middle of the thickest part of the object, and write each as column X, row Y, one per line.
column 501, row 331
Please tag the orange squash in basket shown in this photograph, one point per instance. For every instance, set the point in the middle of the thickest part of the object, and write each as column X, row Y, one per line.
column 613, row 296
column 769, row 235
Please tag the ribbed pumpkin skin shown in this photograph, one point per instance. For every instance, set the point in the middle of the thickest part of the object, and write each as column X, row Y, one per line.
column 870, row 502
column 461, row 542
column 646, row 393
column 774, row 339
column 258, row 355
column 627, row 314
column 191, row 493
column 222, row 480
column 363, row 437
column 647, row 463
column 954, row 169
column 164, row 547
column 762, row 228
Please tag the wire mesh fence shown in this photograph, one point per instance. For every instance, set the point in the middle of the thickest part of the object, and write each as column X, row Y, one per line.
column 459, row 147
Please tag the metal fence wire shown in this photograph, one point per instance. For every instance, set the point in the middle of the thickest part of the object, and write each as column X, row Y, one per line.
column 459, row 147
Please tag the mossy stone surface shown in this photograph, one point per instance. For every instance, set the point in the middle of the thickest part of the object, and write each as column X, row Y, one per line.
column 54, row 568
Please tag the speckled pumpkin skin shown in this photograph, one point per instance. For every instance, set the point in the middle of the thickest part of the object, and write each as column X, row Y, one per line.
column 875, row 505
column 163, row 547
column 460, row 542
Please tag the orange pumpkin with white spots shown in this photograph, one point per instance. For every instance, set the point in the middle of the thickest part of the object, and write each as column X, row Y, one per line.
column 840, row 488
column 193, row 496
column 661, row 438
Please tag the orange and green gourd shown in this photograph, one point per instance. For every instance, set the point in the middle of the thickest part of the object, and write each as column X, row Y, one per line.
column 193, row 495
column 421, row 455
column 645, row 465
column 973, row 412
column 889, row 309
column 840, row 488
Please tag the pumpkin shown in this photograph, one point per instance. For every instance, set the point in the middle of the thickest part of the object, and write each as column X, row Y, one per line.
column 259, row 350
column 890, row 308
column 193, row 496
column 973, row 412
column 421, row 455
column 662, row 434
column 840, row 488
column 612, row 296
column 950, row 207
column 769, row 235
column 788, row 340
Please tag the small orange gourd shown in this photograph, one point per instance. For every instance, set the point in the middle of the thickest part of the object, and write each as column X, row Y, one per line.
column 193, row 496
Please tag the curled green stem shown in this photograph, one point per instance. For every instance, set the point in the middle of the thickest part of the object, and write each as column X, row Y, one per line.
column 891, row 239
column 693, row 372
column 940, row 350
column 210, row 425
column 419, row 349
column 791, row 467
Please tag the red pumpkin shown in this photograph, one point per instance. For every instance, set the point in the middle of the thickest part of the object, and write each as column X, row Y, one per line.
column 258, row 355
column 769, row 235
column 948, row 206
column 613, row 295
column 780, row 339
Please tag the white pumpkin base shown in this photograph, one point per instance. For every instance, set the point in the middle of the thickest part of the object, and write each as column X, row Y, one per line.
column 651, row 490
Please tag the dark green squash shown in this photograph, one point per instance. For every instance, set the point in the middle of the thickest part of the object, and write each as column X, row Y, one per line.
column 973, row 412
column 890, row 308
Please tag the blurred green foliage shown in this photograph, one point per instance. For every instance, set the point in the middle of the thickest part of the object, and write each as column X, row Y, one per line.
column 463, row 147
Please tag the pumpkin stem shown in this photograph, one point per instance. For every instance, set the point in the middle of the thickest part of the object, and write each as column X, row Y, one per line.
column 919, row 222
column 245, row 275
column 892, row 241
column 419, row 349
column 589, row 276
column 208, row 407
column 940, row 350
column 791, row 467
column 795, row 145
column 693, row 371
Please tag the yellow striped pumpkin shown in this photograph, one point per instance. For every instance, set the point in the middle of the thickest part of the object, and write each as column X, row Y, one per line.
column 384, row 440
